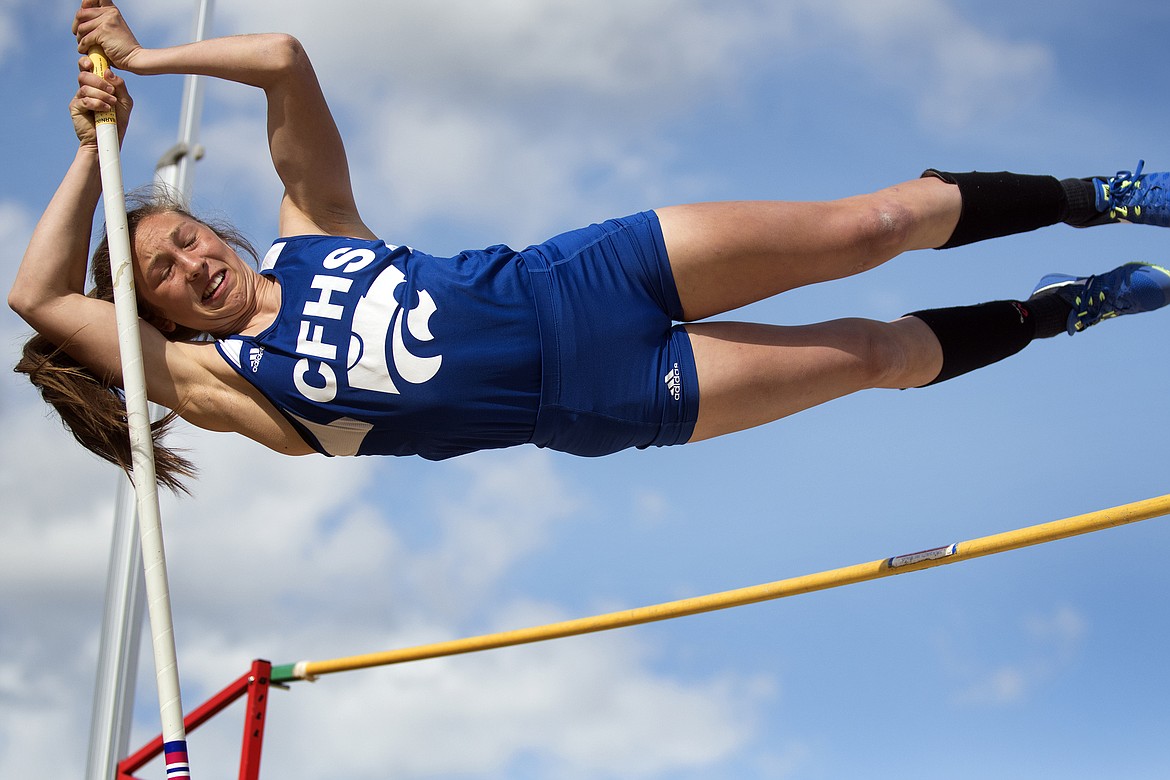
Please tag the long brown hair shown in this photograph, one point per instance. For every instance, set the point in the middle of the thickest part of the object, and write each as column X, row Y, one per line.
column 92, row 407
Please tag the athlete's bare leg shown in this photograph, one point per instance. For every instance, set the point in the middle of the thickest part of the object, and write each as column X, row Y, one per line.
column 726, row 255
column 751, row 374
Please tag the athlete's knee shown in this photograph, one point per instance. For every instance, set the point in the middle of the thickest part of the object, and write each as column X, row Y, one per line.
column 883, row 225
column 882, row 354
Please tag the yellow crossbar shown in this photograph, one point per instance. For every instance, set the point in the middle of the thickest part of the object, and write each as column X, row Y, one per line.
column 987, row 545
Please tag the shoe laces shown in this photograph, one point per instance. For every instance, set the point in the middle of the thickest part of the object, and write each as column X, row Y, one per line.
column 1093, row 303
column 1124, row 191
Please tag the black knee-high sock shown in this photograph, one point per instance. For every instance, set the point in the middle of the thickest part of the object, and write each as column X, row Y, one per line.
column 976, row 336
column 1003, row 203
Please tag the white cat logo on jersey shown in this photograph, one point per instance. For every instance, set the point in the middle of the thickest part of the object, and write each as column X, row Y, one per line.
column 373, row 321
column 376, row 341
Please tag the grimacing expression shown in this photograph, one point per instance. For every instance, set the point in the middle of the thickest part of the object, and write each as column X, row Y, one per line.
column 186, row 275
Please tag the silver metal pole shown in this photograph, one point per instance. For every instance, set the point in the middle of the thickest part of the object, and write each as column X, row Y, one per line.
column 176, row 168
column 117, row 668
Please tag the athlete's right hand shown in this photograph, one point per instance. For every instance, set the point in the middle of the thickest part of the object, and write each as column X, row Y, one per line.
column 96, row 94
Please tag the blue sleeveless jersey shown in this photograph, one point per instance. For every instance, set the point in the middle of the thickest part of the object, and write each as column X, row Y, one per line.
column 382, row 350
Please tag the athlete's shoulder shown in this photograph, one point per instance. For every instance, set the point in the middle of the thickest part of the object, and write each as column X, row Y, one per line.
column 219, row 398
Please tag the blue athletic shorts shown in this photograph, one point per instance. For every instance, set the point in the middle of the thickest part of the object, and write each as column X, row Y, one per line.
column 617, row 371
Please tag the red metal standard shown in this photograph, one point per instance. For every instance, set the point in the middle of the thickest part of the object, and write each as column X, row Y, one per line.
column 255, row 683
column 254, row 721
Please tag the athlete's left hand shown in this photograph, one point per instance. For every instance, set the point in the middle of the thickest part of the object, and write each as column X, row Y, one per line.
column 100, row 23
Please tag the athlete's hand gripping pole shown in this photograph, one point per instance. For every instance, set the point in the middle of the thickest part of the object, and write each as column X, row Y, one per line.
column 141, row 442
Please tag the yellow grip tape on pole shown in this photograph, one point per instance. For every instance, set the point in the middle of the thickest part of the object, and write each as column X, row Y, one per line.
column 100, row 66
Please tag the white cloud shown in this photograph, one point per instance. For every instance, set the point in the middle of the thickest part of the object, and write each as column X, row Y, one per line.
column 288, row 559
column 48, row 703
column 16, row 226
column 998, row 687
column 236, row 171
column 651, row 508
column 955, row 71
column 515, row 119
column 314, row 517
column 435, row 160
column 49, row 532
column 1050, row 643
column 1064, row 628
column 498, row 111
column 9, row 37
column 485, row 50
column 589, row 707
column 499, row 511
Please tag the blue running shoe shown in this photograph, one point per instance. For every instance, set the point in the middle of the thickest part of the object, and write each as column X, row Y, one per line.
column 1141, row 198
column 1130, row 289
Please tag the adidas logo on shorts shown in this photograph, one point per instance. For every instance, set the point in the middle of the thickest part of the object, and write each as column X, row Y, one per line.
column 673, row 381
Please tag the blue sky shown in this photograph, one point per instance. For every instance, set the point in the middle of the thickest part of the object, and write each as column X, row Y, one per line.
column 472, row 123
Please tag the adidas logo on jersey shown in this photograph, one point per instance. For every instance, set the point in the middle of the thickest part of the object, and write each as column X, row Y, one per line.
column 673, row 381
column 254, row 358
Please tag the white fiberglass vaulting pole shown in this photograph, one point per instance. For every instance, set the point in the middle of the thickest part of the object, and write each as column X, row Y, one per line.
column 113, row 705
column 141, row 443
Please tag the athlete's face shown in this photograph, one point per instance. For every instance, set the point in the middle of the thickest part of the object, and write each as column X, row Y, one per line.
column 187, row 275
